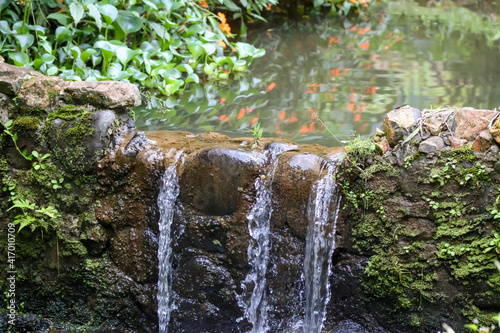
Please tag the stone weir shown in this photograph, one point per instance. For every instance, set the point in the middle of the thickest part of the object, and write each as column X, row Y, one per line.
column 92, row 200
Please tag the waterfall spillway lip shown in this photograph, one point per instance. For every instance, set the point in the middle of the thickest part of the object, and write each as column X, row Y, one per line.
column 167, row 196
column 323, row 208
column 253, row 297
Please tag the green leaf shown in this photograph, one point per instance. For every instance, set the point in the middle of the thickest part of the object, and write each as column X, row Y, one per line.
column 160, row 30
column 14, row 137
column 52, row 71
column 150, row 4
column 4, row 28
column 19, row 58
column 231, row 6
column 76, row 11
column 124, row 54
column 209, row 48
column 35, row 153
column 109, row 12
column 194, row 29
column 128, row 22
column 25, row 40
column 61, row 18
column 151, row 47
column 193, row 78
column 94, row 12
column 8, row 124
column 46, row 46
column 87, row 53
column 63, row 34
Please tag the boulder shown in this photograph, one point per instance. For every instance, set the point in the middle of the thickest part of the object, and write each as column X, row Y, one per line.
column 107, row 94
column 12, row 77
column 80, row 142
column 431, row 145
column 294, row 177
column 40, row 92
column 213, row 180
column 399, row 123
column 470, row 122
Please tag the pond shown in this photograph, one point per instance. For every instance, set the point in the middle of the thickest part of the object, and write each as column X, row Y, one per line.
column 328, row 79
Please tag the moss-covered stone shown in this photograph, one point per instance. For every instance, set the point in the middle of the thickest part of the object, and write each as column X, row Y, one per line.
column 421, row 276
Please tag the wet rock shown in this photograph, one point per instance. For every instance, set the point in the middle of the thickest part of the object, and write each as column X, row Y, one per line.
column 294, row 177
column 399, row 122
column 420, row 229
column 431, row 145
column 107, row 94
column 470, row 122
column 348, row 304
column 80, row 142
column 483, row 141
column 137, row 144
column 349, row 326
column 456, row 142
column 40, row 92
column 207, row 298
column 134, row 250
column 12, row 77
column 213, row 179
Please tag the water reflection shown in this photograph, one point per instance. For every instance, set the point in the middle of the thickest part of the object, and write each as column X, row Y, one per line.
column 348, row 73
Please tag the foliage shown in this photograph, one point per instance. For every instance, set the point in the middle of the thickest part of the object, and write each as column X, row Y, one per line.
column 155, row 44
column 361, row 149
column 31, row 215
column 34, row 217
column 257, row 134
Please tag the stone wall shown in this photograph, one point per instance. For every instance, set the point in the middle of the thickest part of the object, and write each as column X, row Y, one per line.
column 423, row 226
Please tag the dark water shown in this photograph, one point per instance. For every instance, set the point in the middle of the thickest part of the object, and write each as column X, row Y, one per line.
column 347, row 73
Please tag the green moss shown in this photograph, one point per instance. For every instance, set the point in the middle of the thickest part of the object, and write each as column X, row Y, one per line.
column 381, row 167
column 80, row 130
column 68, row 112
column 25, row 124
column 361, row 149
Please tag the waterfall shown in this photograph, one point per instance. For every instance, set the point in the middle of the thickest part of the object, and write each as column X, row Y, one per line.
column 320, row 244
column 169, row 191
column 253, row 298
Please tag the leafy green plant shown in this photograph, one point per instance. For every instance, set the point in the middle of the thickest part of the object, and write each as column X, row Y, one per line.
column 257, row 134
column 153, row 43
column 32, row 216
column 56, row 183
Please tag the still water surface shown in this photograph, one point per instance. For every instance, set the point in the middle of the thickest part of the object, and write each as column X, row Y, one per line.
column 346, row 74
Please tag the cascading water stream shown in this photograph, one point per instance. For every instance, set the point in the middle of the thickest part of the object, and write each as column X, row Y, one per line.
column 166, row 201
column 320, row 244
column 253, row 298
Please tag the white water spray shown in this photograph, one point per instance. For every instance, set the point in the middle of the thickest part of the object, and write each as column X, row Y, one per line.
column 320, row 244
column 253, row 299
column 166, row 202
